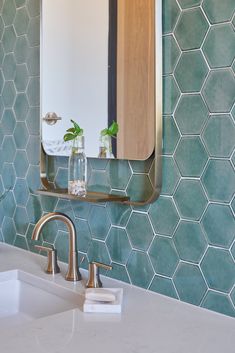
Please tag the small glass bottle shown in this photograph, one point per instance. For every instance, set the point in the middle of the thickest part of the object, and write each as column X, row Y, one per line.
column 77, row 173
column 105, row 150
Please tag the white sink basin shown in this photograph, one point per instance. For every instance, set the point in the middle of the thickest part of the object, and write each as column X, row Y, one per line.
column 24, row 297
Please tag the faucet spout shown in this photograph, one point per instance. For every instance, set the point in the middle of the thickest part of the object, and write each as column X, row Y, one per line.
column 73, row 273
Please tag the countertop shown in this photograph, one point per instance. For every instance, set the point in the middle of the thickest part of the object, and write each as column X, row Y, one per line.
column 149, row 322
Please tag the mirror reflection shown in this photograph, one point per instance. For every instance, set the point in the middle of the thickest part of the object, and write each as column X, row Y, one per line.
column 97, row 66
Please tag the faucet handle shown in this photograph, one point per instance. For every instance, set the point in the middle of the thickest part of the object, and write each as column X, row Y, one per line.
column 52, row 265
column 94, row 274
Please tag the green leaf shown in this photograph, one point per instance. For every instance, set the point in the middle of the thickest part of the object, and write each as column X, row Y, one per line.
column 72, row 129
column 76, row 126
column 69, row 137
column 113, row 129
column 104, row 132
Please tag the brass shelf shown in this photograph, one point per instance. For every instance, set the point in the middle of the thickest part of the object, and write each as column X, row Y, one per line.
column 91, row 196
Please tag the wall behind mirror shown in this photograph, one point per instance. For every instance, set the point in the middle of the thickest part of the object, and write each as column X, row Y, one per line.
column 82, row 79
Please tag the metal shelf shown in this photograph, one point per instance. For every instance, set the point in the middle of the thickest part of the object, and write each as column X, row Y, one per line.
column 91, row 196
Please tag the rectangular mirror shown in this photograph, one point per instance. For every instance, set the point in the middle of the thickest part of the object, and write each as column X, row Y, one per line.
column 97, row 66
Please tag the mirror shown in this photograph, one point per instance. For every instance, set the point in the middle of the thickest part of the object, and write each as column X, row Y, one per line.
column 97, row 66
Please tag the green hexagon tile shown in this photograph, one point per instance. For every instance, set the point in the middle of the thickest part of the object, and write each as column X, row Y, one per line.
column 183, row 244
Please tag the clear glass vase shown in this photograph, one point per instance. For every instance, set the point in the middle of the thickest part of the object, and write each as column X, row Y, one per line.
column 105, row 150
column 77, row 173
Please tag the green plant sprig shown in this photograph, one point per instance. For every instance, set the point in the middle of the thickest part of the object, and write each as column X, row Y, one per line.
column 112, row 130
column 73, row 132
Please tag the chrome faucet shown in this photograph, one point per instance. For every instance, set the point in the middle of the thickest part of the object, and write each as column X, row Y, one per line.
column 73, row 273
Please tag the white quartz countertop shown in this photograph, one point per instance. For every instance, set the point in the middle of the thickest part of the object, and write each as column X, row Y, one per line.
column 149, row 322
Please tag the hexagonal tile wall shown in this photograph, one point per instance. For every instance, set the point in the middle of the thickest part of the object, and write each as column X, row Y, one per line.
column 172, row 241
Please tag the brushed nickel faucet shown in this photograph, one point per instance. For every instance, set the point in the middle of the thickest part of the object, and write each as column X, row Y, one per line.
column 73, row 273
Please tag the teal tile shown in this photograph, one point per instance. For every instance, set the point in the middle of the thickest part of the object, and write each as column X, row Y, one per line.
column 8, row 39
column 8, row 122
column 171, row 53
column 9, row 205
column 171, row 135
column 1, row 22
column 191, row 114
column 33, row 92
column 20, row 242
column 144, row 275
column 21, row 164
column 83, row 235
column 171, row 95
column 81, row 209
column 190, row 241
column 118, row 245
column 140, row 231
column 8, row 12
column 191, row 156
column 119, row 174
column 21, row 21
column 62, row 246
column 219, row 91
column 164, row 216
column 21, row 135
column 64, row 206
column 218, row 302
column 118, row 213
column 139, row 188
column 191, row 29
column 21, row 220
column 33, row 150
column 1, row 82
column 33, row 178
column 8, row 230
column 185, row 4
column 218, row 268
column 1, row 53
column 98, row 164
column 33, row 61
column 219, row 180
column 142, row 166
column 8, row 94
column 163, row 286
column 171, row 12
column 219, row 135
column 190, row 199
column 98, row 252
column 8, row 176
column 21, row 78
column 9, row 67
column 34, row 209
column 99, row 181
column 219, row 225
column 20, row 3
column 118, row 272
column 8, row 149
column 219, row 47
column 189, row 283
column 21, row 50
column 21, row 192
column 33, row 7
column 21, row 107
column 218, row 11
column 48, row 203
column 170, row 176
column 233, row 296
column 163, row 256
column 33, row 32
column 33, row 120
column 191, row 71
column 99, row 222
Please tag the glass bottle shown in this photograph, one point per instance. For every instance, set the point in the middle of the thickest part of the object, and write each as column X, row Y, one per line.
column 77, row 173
